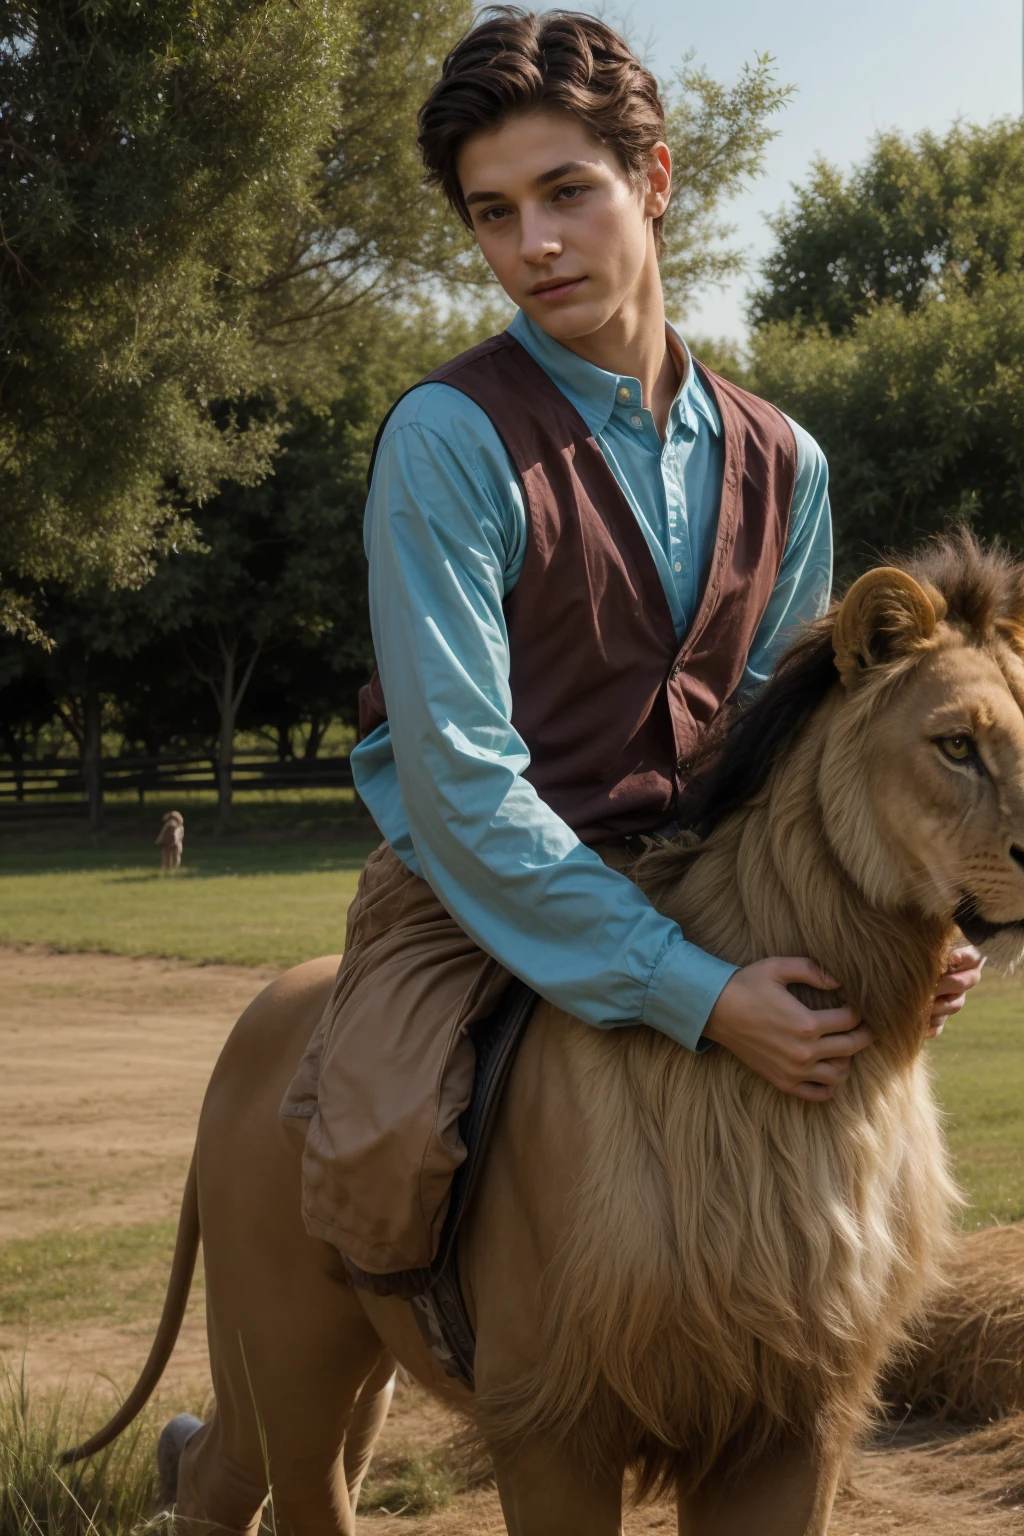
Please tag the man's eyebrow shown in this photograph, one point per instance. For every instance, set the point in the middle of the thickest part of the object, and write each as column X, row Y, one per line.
column 567, row 168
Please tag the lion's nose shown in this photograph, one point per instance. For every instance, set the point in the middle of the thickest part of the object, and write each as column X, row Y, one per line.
column 1017, row 855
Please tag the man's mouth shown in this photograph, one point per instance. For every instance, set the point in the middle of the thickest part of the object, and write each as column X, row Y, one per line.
column 556, row 288
column 975, row 928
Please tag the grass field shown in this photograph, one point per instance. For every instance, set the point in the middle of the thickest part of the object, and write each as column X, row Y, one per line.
column 979, row 1065
column 66, row 1277
column 241, row 903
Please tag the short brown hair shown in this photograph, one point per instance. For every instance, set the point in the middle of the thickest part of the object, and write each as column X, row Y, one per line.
column 516, row 61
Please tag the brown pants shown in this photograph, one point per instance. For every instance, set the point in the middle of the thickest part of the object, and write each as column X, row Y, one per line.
column 390, row 1070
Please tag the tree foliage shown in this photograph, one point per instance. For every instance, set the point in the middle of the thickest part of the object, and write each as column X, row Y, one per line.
column 188, row 188
column 890, row 322
column 921, row 217
column 372, row 229
column 718, row 135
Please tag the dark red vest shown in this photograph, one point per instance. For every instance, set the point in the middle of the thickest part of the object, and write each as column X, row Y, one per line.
column 611, row 708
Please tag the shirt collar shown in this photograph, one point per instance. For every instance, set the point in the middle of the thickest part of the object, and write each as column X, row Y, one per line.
column 693, row 404
column 595, row 392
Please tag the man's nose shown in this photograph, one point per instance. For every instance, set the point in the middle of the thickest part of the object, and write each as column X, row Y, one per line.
column 539, row 240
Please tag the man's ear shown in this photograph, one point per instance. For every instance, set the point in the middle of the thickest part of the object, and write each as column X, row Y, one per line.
column 659, row 181
column 886, row 614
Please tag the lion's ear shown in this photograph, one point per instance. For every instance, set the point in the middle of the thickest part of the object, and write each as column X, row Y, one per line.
column 885, row 614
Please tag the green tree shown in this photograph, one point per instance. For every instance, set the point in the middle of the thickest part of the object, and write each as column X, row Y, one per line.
column 718, row 134
column 921, row 217
column 26, row 707
column 890, row 322
column 722, row 355
column 189, row 190
column 98, row 635
column 156, row 704
column 298, row 693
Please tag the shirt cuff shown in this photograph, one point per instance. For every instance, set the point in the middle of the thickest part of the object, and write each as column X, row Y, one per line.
column 685, row 985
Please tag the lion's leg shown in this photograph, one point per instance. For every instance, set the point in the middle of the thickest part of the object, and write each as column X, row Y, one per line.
column 788, row 1494
column 546, row 1491
column 285, row 1407
column 290, row 1352
column 219, row 1490
column 367, row 1421
column 290, row 1346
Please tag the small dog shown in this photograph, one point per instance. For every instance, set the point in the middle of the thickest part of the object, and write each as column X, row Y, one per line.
column 171, row 840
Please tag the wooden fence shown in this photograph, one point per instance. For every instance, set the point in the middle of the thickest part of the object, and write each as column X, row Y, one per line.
column 58, row 787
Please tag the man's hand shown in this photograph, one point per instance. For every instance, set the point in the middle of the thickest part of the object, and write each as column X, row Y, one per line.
column 962, row 973
column 800, row 1051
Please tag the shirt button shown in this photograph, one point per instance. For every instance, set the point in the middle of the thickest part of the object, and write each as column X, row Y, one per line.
column 637, row 421
column 623, row 391
column 678, row 565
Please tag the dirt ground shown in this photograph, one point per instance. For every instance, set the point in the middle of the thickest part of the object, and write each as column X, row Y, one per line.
column 105, row 1060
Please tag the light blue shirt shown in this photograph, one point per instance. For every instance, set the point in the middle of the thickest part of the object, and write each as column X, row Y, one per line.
column 445, row 534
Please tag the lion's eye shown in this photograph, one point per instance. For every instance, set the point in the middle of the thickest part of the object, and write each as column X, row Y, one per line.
column 957, row 748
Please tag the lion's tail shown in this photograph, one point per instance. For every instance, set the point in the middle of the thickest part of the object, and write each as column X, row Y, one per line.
column 183, row 1264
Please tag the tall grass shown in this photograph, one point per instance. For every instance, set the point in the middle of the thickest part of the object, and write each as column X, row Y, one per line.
column 112, row 1495
column 115, row 1494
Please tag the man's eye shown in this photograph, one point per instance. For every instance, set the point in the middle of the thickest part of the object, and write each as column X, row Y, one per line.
column 569, row 194
column 959, row 749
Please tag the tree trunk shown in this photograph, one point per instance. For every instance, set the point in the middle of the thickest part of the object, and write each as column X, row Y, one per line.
column 318, row 725
column 16, row 752
column 226, row 739
column 229, row 694
column 92, row 756
column 219, row 669
column 150, row 778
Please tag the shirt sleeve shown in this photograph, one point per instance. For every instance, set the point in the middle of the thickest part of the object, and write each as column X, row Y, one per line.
column 444, row 535
column 804, row 584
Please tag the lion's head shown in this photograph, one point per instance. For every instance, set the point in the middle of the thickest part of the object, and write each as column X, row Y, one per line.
column 922, row 783
column 917, row 678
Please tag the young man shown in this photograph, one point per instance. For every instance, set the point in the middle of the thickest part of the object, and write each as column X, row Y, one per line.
column 581, row 546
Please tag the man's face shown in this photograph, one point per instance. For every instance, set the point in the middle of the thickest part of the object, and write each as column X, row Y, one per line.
column 564, row 230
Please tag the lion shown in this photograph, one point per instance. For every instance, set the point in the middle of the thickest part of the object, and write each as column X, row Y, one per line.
column 671, row 1267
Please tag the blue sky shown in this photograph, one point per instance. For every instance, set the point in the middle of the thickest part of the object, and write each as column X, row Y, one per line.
column 907, row 64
